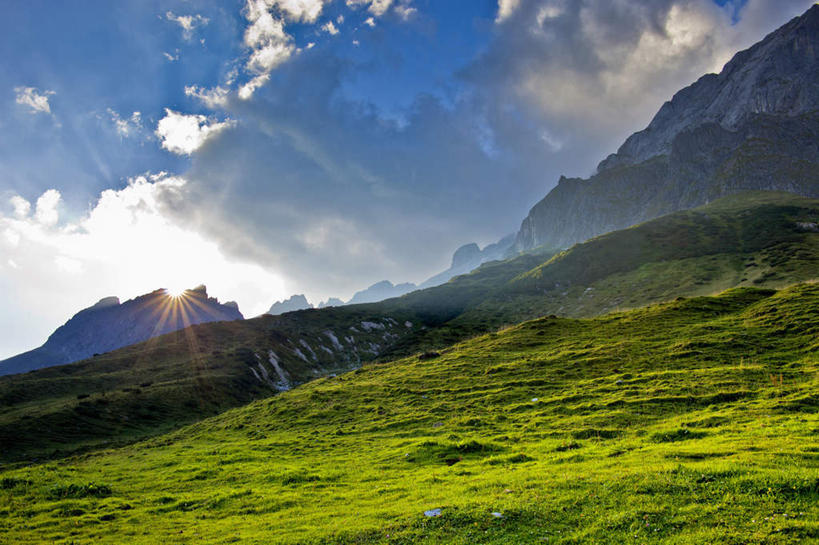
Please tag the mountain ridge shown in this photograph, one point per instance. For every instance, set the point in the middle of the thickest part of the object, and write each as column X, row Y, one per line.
column 109, row 324
column 754, row 126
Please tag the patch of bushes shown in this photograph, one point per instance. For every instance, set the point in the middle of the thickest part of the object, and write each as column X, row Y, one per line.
column 9, row 482
column 429, row 356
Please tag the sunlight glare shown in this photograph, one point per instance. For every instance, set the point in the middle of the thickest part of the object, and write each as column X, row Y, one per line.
column 176, row 291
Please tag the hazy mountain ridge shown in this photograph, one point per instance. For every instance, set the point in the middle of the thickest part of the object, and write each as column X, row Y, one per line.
column 755, row 126
column 109, row 324
column 469, row 257
column 466, row 259
column 295, row 302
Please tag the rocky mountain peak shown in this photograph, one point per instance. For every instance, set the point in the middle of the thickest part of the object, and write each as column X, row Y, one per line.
column 109, row 324
column 751, row 127
column 777, row 76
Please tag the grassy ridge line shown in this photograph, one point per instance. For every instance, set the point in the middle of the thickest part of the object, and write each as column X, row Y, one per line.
column 748, row 239
column 688, row 422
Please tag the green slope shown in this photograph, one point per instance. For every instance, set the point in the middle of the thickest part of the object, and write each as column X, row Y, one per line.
column 693, row 421
column 751, row 239
column 175, row 379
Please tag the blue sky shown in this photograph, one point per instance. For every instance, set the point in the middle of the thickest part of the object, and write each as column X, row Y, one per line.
column 271, row 147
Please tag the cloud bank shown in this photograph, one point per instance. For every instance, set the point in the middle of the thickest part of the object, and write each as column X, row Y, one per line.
column 125, row 245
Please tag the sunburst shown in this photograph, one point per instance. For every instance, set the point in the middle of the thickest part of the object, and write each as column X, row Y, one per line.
column 175, row 291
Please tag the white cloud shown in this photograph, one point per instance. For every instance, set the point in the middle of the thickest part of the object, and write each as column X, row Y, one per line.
column 126, row 245
column 330, row 28
column 405, row 11
column 270, row 45
column 183, row 134
column 369, row 21
column 212, row 98
column 46, row 212
column 376, row 7
column 263, row 28
column 129, row 126
column 21, row 206
column 506, row 8
column 188, row 23
column 306, row 11
column 171, row 58
column 246, row 91
column 32, row 97
column 599, row 69
column 264, row 59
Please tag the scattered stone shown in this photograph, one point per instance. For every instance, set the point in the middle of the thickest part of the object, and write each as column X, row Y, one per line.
column 534, row 400
column 497, row 515
column 432, row 513
column 368, row 326
column 437, row 424
column 619, row 382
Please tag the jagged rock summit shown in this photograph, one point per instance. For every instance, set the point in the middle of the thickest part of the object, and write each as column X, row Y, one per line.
column 469, row 257
column 109, row 324
column 295, row 302
column 380, row 291
column 331, row 302
column 754, row 126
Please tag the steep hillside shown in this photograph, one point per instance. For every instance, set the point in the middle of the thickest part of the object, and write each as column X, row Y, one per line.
column 690, row 422
column 749, row 239
column 181, row 377
column 753, row 239
column 755, row 126
column 109, row 325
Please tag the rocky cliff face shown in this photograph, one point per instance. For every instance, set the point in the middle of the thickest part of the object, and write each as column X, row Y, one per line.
column 109, row 325
column 755, row 126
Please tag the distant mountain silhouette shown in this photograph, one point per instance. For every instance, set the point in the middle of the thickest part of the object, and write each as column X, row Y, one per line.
column 296, row 302
column 109, row 324
column 380, row 291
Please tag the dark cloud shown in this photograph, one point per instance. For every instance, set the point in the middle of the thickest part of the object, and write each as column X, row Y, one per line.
column 334, row 196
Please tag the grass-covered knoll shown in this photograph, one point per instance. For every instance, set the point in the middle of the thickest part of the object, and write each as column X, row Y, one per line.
column 694, row 421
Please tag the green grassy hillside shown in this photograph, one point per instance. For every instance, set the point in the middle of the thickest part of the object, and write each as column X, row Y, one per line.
column 178, row 378
column 751, row 239
column 694, row 421
column 762, row 239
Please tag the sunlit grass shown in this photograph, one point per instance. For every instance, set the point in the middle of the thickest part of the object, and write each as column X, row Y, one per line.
column 690, row 422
